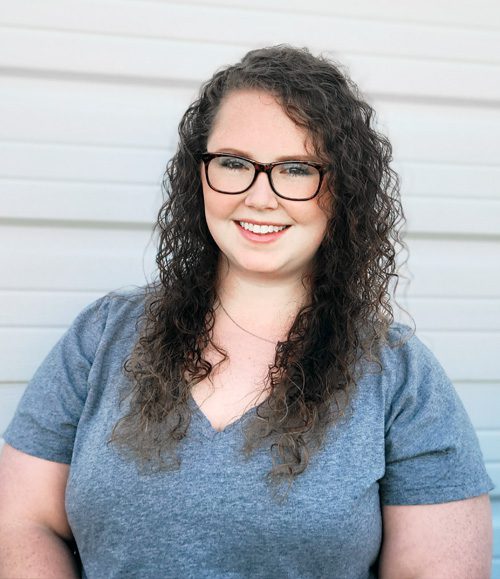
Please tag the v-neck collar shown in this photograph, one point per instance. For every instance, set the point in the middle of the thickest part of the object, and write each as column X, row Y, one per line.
column 206, row 427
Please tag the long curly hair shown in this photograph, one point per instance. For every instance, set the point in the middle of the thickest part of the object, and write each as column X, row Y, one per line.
column 347, row 319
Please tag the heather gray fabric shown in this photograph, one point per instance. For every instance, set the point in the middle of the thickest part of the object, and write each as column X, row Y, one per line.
column 408, row 441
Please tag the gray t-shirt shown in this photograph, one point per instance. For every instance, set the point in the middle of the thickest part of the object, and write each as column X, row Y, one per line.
column 408, row 441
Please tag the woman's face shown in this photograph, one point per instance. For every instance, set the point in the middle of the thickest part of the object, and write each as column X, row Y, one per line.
column 253, row 124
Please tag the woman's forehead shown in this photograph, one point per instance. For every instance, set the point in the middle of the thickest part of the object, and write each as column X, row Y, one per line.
column 251, row 120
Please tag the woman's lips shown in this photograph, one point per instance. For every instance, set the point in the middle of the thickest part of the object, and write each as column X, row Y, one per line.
column 261, row 237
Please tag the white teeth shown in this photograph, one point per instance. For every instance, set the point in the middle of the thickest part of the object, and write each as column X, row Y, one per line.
column 261, row 228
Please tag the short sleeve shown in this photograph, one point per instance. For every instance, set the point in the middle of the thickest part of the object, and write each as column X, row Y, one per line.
column 46, row 418
column 431, row 449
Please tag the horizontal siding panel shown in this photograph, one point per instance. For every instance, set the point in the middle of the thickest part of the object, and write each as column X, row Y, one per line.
column 166, row 60
column 64, row 240
column 453, row 216
column 435, row 178
column 175, row 21
column 425, row 79
column 443, row 133
column 83, row 163
column 111, row 56
column 482, row 14
column 490, row 441
column 446, row 313
column 460, row 355
column 482, row 402
column 42, row 308
column 90, row 202
column 44, row 110
column 63, row 258
column 437, row 268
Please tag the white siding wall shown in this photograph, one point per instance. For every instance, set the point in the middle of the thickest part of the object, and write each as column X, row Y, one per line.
column 90, row 96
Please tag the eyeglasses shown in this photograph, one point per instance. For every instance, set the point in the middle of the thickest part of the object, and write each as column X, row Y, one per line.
column 293, row 180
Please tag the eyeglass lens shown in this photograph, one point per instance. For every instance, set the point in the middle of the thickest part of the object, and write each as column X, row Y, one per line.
column 233, row 175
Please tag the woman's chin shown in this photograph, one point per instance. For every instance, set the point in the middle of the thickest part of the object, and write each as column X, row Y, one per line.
column 265, row 269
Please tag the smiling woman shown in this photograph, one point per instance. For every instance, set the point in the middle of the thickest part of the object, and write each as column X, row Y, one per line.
column 255, row 412
column 254, row 121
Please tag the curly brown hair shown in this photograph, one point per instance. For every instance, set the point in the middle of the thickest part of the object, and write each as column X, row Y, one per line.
column 349, row 314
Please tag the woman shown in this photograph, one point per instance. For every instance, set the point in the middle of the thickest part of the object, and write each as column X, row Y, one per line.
column 256, row 412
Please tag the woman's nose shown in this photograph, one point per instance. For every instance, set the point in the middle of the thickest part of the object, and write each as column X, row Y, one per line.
column 260, row 194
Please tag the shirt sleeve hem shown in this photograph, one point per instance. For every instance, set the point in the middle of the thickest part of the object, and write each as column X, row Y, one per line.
column 434, row 495
column 44, row 453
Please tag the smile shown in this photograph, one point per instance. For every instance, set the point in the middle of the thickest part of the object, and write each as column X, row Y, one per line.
column 261, row 229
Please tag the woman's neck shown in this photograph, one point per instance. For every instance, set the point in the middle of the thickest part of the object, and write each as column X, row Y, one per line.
column 266, row 307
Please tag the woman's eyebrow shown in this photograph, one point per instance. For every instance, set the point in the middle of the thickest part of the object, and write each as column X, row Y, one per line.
column 234, row 151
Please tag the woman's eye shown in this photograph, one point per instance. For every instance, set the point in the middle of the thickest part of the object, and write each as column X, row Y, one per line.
column 296, row 170
column 232, row 164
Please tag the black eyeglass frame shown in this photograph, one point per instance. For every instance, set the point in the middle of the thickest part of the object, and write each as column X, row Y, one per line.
column 262, row 168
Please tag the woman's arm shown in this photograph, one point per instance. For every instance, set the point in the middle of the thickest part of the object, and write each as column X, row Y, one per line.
column 448, row 540
column 33, row 523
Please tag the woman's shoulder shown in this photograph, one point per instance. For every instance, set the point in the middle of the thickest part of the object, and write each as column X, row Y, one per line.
column 405, row 366
column 412, row 372
column 116, row 306
column 127, row 300
column 402, row 347
column 111, row 317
